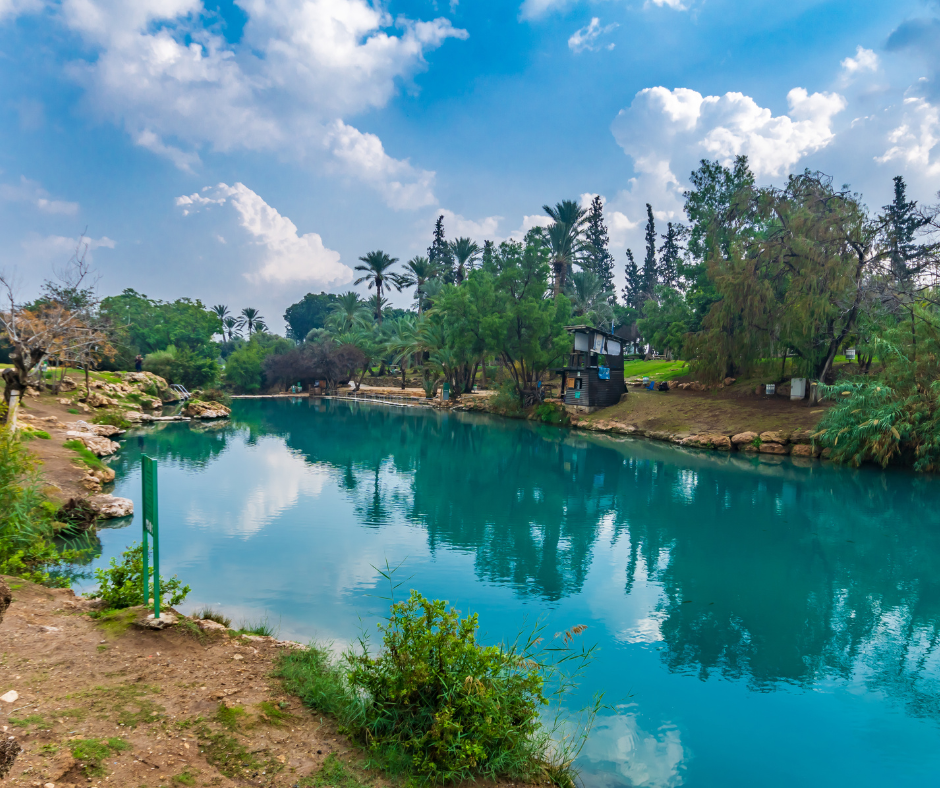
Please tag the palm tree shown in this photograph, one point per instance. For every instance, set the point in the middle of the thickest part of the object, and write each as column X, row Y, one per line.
column 221, row 310
column 402, row 343
column 252, row 317
column 377, row 275
column 418, row 272
column 233, row 325
column 589, row 299
column 563, row 236
column 349, row 312
column 465, row 252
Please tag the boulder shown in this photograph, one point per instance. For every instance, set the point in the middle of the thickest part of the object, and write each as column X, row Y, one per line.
column 206, row 410
column 102, row 447
column 749, row 448
column 67, row 384
column 154, row 404
column 696, row 386
column 210, row 626
column 729, row 381
column 770, row 447
column 715, row 441
column 744, row 437
column 826, row 454
column 775, row 436
column 64, row 401
column 101, row 430
column 109, row 506
column 804, row 450
column 133, row 416
column 801, row 436
column 96, row 400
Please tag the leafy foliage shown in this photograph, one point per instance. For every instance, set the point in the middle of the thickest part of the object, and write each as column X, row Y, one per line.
column 120, row 585
column 181, row 365
column 308, row 313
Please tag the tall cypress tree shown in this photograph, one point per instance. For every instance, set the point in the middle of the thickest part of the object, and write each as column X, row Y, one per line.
column 633, row 293
column 903, row 222
column 669, row 256
column 439, row 252
column 598, row 259
column 649, row 262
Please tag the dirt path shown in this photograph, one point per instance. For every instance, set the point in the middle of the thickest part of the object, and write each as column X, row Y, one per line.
column 113, row 704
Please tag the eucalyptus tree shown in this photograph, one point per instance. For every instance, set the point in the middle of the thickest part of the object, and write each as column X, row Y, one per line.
column 349, row 311
column 251, row 318
column 376, row 271
column 465, row 253
column 418, row 272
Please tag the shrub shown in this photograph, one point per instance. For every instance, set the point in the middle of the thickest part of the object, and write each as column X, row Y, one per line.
column 439, row 704
column 86, row 455
column 214, row 395
column 551, row 413
column 506, row 398
column 120, row 585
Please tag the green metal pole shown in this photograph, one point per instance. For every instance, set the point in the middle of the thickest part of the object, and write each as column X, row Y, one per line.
column 145, row 576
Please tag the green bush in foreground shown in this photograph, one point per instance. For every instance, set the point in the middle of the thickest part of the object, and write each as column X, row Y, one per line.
column 26, row 517
column 440, row 705
column 120, row 585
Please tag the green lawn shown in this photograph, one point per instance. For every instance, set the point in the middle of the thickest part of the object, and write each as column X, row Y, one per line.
column 660, row 370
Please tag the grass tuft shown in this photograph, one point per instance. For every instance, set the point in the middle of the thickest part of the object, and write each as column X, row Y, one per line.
column 208, row 614
column 263, row 628
column 91, row 752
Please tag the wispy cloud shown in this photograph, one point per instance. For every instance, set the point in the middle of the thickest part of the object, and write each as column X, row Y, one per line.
column 586, row 37
column 31, row 192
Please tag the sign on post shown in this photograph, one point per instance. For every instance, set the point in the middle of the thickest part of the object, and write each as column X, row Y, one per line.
column 151, row 527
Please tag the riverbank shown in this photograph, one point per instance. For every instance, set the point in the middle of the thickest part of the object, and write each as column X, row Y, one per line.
column 110, row 703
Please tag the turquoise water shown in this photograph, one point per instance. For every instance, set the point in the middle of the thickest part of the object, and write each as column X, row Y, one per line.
column 759, row 623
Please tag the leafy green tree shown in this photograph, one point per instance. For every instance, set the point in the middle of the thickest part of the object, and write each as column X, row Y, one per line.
column 308, row 313
column 182, row 365
column 666, row 320
column 244, row 368
column 377, row 273
column 903, row 221
column 598, row 258
column 669, row 254
column 525, row 327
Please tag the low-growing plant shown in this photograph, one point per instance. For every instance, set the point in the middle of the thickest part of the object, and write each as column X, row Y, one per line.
column 551, row 413
column 263, row 628
column 111, row 417
column 214, row 395
column 208, row 614
column 91, row 752
column 506, row 398
column 120, row 585
column 84, row 454
column 41, row 434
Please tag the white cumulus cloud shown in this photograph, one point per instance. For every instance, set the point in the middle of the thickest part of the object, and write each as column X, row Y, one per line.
column 676, row 5
column 483, row 230
column 586, row 37
column 160, row 70
column 916, row 140
column 865, row 61
column 287, row 256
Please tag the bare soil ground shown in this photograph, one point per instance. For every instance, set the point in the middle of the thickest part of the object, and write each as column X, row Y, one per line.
column 160, row 708
column 728, row 411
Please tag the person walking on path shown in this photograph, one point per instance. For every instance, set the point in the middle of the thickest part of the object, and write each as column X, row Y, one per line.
column 139, row 363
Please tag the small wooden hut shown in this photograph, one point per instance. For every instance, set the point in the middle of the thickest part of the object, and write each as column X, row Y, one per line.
column 593, row 377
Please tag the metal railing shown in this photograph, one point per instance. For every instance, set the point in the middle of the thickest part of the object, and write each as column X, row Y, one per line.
column 381, row 398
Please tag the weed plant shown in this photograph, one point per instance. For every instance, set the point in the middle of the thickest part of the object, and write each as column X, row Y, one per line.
column 85, row 455
column 208, row 614
column 439, row 705
column 114, row 418
column 263, row 628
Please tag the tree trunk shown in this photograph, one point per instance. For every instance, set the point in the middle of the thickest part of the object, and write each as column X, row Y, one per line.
column 402, row 374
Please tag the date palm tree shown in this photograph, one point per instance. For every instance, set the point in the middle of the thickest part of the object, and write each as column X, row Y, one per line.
column 564, row 240
column 349, row 312
column 221, row 310
column 589, row 299
column 465, row 252
column 377, row 274
column 402, row 343
column 233, row 325
column 252, row 318
column 418, row 272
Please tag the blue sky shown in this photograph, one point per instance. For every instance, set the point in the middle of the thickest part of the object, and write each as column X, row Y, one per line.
column 248, row 151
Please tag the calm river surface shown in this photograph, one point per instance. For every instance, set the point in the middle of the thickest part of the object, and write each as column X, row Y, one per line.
column 759, row 623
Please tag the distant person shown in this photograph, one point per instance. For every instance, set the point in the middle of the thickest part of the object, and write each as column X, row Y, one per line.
column 139, row 363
